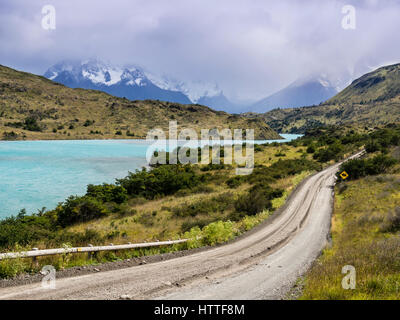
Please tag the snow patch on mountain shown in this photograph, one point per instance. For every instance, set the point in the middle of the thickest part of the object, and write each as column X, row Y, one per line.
column 97, row 72
column 195, row 90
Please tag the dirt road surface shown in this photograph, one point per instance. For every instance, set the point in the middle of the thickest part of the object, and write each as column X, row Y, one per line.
column 263, row 264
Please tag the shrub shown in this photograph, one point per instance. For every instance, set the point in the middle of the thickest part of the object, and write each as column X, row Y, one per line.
column 218, row 232
column 311, row 149
column 188, row 225
column 25, row 229
column 10, row 268
column 257, row 199
column 372, row 146
column 107, row 193
column 333, row 152
column 79, row 209
column 146, row 219
column 10, row 135
column 88, row 123
column 195, row 238
column 258, row 148
column 212, row 166
column 160, row 181
column 31, row 124
column 392, row 221
column 235, row 182
column 281, row 169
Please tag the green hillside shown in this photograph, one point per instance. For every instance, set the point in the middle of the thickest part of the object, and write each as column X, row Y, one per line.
column 372, row 100
column 33, row 107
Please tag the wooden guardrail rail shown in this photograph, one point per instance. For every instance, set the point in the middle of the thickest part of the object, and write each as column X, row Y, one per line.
column 34, row 253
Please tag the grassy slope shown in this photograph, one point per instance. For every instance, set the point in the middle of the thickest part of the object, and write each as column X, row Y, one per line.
column 372, row 100
column 155, row 218
column 360, row 239
column 57, row 107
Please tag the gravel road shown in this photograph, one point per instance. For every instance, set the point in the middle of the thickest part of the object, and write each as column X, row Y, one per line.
column 263, row 264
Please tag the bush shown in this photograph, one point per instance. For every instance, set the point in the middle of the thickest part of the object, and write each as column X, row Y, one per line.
column 281, row 169
column 333, row 152
column 372, row 146
column 160, row 181
column 218, row 232
column 107, row 193
column 212, row 166
column 235, row 182
column 79, row 209
column 257, row 199
column 10, row 268
column 88, row 123
column 10, row 135
column 188, row 225
column 25, row 229
column 310, row 149
column 31, row 124
column 392, row 221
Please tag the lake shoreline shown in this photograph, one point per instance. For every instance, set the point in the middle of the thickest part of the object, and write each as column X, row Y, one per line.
column 41, row 173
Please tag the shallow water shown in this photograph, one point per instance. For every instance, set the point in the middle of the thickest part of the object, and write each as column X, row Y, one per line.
column 36, row 174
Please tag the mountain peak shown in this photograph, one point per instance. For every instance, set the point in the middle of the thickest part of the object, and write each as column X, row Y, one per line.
column 194, row 89
column 305, row 91
column 95, row 71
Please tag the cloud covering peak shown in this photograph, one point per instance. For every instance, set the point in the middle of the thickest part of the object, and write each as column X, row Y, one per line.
column 250, row 48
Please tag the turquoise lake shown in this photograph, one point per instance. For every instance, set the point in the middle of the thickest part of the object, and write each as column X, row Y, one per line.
column 36, row 174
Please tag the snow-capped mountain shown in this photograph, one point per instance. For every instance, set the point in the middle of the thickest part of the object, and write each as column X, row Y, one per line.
column 194, row 90
column 134, row 83
column 201, row 92
column 303, row 92
column 129, row 82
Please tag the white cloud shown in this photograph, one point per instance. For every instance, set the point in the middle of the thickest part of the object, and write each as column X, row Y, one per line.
column 250, row 48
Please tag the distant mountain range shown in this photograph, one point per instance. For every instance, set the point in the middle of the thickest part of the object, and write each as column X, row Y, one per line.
column 129, row 82
column 135, row 83
column 304, row 92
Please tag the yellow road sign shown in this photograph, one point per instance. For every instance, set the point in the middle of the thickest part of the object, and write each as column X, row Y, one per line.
column 344, row 175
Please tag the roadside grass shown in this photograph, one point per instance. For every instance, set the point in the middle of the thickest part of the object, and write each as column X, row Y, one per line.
column 365, row 234
column 271, row 153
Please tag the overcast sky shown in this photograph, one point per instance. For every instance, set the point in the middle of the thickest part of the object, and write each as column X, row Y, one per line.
column 251, row 48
